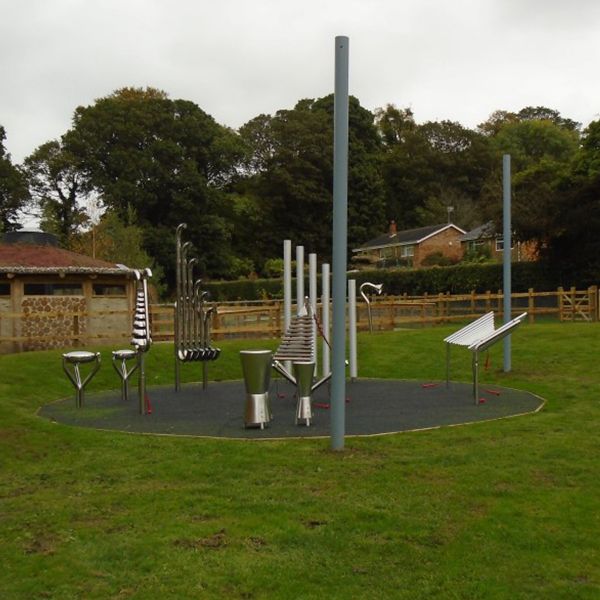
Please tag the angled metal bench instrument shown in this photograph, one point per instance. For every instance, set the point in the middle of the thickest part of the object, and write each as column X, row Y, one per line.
column 477, row 337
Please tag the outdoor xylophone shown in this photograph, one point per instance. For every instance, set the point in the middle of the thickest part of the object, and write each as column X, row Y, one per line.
column 193, row 314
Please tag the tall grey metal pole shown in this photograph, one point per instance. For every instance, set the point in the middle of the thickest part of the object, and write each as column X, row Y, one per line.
column 340, row 242
column 353, row 354
column 287, row 291
column 287, row 284
column 506, row 255
column 312, row 294
column 325, row 299
column 299, row 278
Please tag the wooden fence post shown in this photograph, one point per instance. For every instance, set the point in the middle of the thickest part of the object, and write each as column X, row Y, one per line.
column 531, row 306
column 591, row 294
column 573, row 302
column 560, row 292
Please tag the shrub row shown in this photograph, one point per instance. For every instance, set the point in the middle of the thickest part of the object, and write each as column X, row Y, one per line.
column 457, row 279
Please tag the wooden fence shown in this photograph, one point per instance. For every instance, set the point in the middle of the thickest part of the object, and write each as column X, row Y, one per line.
column 265, row 319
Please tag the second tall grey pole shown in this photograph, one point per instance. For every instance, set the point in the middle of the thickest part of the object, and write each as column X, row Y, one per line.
column 506, row 256
column 340, row 241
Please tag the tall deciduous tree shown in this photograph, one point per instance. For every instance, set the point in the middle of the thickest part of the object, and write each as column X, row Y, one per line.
column 574, row 247
column 289, row 189
column 13, row 189
column 406, row 169
column 169, row 161
column 542, row 152
column 58, row 188
column 431, row 167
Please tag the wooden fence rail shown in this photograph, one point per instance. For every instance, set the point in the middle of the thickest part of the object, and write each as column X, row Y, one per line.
column 265, row 319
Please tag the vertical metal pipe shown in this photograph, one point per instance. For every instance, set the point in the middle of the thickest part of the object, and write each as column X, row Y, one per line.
column 506, row 255
column 312, row 295
column 142, row 382
column 287, row 291
column 287, row 284
column 325, row 300
column 176, row 321
column 476, row 376
column 340, row 242
column 178, row 304
column 447, row 364
column 352, row 328
column 299, row 278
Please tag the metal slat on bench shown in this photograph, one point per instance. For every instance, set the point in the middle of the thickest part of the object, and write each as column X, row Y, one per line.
column 497, row 334
column 472, row 332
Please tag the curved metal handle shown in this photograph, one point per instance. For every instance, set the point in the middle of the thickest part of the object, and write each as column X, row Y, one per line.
column 378, row 287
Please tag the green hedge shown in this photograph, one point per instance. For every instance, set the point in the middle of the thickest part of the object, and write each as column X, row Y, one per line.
column 457, row 279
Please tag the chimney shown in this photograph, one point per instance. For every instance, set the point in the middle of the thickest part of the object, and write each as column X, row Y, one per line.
column 393, row 228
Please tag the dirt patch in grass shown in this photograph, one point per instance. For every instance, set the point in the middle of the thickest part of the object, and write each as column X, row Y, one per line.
column 44, row 544
column 214, row 542
column 255, row 542
column 313, row 523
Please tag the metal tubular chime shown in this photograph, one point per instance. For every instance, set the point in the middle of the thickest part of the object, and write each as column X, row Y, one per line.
column 141, row 339
column 193, row 315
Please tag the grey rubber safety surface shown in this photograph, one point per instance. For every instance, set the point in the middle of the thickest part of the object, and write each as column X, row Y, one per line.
column 373, row 406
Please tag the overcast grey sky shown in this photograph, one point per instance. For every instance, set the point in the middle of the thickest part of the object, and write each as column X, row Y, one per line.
column 446, row 59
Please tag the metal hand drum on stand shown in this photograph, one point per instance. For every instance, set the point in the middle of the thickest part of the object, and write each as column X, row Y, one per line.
column 256, row 366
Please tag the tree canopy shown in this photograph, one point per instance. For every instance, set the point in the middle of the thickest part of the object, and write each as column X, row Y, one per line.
column 167, row 160
column 289, row 183
column 242, row 192
column 13, row 189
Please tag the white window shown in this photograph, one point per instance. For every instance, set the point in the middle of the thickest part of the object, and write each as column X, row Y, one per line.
column 500, row 245
column 407, row 251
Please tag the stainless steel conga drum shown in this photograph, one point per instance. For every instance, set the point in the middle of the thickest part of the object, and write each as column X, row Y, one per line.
column 256, row 366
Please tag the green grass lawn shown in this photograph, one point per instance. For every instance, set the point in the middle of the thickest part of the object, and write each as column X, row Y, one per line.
column 502, row 509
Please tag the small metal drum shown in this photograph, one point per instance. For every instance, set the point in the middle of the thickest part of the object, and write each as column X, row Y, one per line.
column 256, row 366
column 124, row 373
column 304, row 373
column 76, row 358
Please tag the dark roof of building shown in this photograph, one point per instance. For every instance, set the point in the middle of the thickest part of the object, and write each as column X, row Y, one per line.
column 407, row 236
column 485, row 231
column 26, row 236
column 29, row 258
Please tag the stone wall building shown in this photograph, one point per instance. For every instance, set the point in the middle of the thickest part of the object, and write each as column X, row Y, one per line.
column 53, row 298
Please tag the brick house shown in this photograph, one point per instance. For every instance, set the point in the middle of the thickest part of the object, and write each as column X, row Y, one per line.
column 486, row 241
column 51, row 298
column 411, row 246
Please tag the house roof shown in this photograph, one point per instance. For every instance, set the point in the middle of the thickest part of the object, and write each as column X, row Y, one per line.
column 29, row 258
column 407, row 236
column 485, row 231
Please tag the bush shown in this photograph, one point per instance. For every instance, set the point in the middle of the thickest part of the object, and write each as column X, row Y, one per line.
column 273, row 268
column 437, row 259
column 457, row 279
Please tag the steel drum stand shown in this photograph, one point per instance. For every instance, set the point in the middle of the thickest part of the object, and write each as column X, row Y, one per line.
column 77, row 358
column 303, row 373
column 122, row 370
